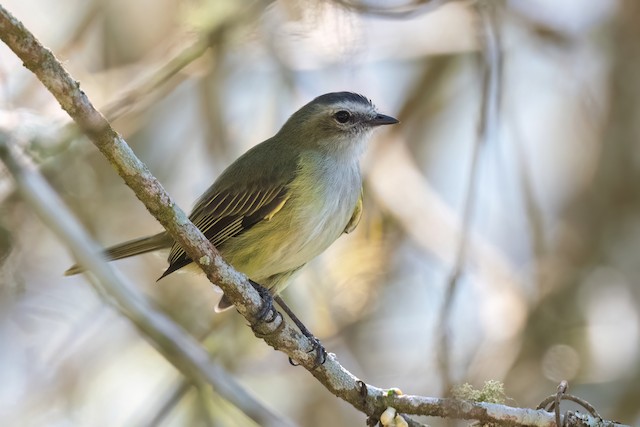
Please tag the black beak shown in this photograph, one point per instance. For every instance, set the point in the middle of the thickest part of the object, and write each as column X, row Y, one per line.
column 381, row 119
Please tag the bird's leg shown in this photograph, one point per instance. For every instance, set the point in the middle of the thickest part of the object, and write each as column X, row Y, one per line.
column 267, row 312
column 321, row 353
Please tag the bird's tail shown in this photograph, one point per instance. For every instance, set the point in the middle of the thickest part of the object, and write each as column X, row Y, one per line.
column 130, row 248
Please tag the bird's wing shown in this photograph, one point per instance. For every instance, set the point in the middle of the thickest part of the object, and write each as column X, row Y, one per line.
column 355, row 217
column 227, row 213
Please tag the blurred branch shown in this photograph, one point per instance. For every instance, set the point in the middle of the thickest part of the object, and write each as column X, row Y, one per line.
column 593, row 228
column 487, row 132
column 73, row 100
column 81, row 26
column 213, row 36
column 173, row 342
column 162, row 80
column 86, row 13
column 147, row 90
column 212, row 108
column 246, row 299
column 126, row 101
column 412, row 9
column 419, row 209
column 614, row 197
column 531, row 204
column 170, row 400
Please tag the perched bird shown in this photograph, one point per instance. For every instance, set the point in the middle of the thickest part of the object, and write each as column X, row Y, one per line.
column 285, row 200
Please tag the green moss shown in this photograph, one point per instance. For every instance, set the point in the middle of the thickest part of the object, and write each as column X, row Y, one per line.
column 491, row 392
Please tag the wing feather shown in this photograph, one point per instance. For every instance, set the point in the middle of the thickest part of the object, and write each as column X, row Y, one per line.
column 262, row 199
column 242, row 204
column 227, row 206
column 218, row 199
column 228, row 214
column 230, row 230
column 253, row 201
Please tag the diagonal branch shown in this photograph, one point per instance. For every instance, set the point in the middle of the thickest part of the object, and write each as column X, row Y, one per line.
column 172, row 341
column 174, row 344
column 73, row 100
column 279, row 334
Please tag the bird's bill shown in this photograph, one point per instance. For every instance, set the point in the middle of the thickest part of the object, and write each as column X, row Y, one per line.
column 381, row 119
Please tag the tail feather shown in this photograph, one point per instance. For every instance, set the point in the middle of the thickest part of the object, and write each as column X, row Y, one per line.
column 130, row 248
column 223, row 304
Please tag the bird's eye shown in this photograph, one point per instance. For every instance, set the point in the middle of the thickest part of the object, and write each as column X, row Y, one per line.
column 342, row 116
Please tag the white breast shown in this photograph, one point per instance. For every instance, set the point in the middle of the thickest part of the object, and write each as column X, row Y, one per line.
column 323, row 198
column 321, row 219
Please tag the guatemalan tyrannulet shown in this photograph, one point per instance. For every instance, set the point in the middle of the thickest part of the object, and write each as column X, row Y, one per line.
column 284, row 201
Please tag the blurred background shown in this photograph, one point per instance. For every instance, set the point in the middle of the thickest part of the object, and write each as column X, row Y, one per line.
column 547, row 288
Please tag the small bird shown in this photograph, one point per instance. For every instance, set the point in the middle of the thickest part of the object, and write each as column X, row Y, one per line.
column 284, row 201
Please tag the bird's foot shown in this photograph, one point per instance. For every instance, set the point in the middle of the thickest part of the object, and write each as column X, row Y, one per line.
column 316, row 345
column 267, row 313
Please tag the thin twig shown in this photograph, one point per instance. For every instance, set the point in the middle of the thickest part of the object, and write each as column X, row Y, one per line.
column 487, row 132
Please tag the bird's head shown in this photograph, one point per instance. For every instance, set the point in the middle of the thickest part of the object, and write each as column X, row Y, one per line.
column 335, row 122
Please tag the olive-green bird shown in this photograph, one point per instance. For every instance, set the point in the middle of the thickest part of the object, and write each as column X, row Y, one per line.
column 284, row 201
